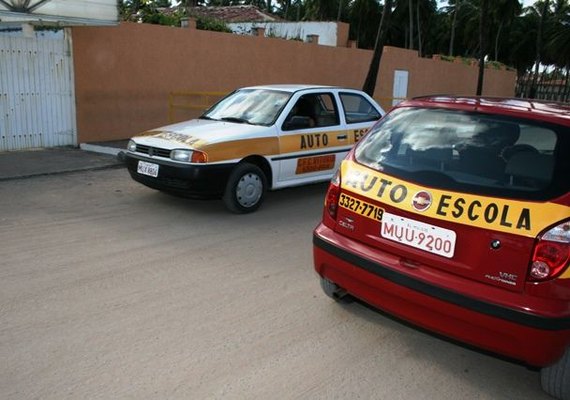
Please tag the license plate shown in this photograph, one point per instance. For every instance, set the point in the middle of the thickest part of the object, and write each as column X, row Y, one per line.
column 417, row 234
column 146, row 168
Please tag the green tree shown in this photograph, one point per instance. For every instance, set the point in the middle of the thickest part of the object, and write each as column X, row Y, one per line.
column 454, row 8
column 543, row 9
column 483, row 12
column 557, row 40
column 320, row 10
column 147, row 11
column 402, row 29
column 521, row 43
column 413, row 35
column 426, row 20
column 411, row 19
column 364, row 17
column 504, row 11
column 370, row 82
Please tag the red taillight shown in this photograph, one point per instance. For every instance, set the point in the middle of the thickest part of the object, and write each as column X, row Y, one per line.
column 331, row 199
column 551, row 253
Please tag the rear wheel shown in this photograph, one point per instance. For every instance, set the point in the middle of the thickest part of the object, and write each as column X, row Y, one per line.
column 245, row 189
column 555, row 379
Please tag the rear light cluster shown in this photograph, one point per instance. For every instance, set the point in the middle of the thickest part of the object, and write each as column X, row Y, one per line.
column 331, row 199
column 551, row 253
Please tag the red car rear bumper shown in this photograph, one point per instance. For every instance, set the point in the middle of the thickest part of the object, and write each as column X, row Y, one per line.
column 535, row 339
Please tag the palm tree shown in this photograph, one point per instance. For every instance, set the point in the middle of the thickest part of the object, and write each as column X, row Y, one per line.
column 539, row 43
column 320, row 10
column 403, row 22
column 411, row 18
column 419, row 28
column 364, row 16
column 463, row 14
column 483, row 12
column 455, row 7
column 370, row 82
column 557, row 46
column 426, row 15
column 504, row 11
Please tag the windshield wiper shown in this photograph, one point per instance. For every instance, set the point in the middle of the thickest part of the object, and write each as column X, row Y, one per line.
column 206, row 117
column 236, row 119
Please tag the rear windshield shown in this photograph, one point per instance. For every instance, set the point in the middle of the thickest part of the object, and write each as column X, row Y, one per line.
column 469, row 152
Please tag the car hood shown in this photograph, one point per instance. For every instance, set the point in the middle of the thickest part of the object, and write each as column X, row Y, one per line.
column 199, row 133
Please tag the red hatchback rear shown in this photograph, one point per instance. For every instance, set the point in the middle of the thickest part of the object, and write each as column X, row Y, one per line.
column 454, row 214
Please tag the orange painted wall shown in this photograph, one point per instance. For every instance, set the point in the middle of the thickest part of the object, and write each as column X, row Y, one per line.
column 124, row 74
column 427, row 76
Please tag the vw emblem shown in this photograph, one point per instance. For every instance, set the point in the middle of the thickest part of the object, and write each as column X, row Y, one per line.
column 421, row 200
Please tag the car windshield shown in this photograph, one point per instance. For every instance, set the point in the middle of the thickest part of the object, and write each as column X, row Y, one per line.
column 468, row 152
column 249, row 106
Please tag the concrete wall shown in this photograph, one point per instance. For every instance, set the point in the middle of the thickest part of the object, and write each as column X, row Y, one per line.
column 427, row 76
column 124, row 74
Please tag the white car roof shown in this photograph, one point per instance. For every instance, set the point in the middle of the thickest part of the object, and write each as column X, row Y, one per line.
column 291, row 87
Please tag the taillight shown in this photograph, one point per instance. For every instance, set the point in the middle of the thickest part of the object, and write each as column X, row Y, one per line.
column 551, row 253
column 331, row 199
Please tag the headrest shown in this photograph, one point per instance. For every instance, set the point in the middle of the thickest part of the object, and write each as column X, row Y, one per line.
column 498, row 136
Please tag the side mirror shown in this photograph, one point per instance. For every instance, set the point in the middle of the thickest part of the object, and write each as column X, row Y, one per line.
column 297, row 122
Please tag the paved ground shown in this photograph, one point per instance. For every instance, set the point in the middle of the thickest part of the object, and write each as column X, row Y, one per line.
column 109, row 290
column 25, row 164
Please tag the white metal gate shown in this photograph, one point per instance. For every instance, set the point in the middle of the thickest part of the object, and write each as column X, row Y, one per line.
column 37, row 100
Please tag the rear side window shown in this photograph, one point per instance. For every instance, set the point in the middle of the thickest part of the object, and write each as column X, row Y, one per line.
column 468, row 152
column 358, row 109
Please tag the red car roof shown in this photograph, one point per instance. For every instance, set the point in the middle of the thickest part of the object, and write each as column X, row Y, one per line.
column 554, row 112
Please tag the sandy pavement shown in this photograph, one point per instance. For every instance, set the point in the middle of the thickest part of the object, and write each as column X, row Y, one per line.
column 109, row 290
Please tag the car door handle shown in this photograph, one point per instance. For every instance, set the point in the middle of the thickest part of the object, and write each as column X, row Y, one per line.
column 341, row 137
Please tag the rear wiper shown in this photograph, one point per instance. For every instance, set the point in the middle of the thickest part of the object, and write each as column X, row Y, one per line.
column 235, row 119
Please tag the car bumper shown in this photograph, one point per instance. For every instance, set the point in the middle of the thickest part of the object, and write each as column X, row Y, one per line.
column 191, row 180
column 535, row 339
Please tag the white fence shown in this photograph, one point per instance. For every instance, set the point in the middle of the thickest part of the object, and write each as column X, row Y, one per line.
column 37, row 100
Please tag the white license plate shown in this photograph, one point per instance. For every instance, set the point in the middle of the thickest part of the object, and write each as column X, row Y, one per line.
column 146, row 168
column 417, row 234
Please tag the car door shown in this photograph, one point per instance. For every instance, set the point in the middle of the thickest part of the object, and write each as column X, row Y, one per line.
column 312, row 140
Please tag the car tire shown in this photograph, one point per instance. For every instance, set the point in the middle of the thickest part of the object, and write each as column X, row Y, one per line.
column 555, row 379
column 245, row 189
column 333, row 291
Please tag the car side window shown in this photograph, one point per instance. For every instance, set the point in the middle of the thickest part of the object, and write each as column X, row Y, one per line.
column 314, row 110
column 358, row 109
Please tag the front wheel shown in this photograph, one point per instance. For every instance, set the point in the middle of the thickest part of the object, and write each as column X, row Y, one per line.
column 555, row 379
column 245, row 189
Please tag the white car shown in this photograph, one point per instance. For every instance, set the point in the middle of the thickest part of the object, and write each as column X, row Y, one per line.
column 254, row 139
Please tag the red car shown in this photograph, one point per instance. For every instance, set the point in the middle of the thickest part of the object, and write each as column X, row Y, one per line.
column 453, row 213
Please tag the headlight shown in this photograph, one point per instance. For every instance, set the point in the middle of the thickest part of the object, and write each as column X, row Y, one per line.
column 181, row 155
column 132, row 146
